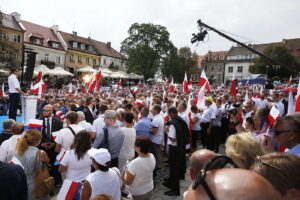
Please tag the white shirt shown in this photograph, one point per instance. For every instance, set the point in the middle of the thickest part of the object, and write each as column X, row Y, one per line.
column 196, row 126
column 98, row 125
column 218, row 113
column 13, row 83
column 158, row 122
column 86, row 125
column 208, row 114
column 185, row 117
column 7, row 148
column 280, row 106
column 261, row 103
column 105, row 183
column 127, row 150
column 245, row 116
column 65, row 137
column 142, row 169
column 77, row 170
column 172, row 134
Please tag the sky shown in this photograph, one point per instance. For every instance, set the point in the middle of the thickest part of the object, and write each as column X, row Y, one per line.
column 257, row 21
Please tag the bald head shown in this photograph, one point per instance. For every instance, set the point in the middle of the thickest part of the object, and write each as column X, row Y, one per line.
column 198, row 160
column 48, row 110
column 234, row 184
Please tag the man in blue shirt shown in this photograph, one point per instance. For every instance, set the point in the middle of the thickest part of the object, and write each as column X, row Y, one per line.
column 144, row 125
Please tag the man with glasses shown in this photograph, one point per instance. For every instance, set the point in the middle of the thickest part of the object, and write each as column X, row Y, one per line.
column 287, row 132
column 233, row 184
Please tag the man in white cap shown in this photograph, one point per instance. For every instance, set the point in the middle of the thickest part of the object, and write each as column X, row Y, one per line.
column 103, row 180
column 114, row 139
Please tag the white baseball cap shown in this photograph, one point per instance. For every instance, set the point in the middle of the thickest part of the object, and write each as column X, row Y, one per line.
column 101, row 156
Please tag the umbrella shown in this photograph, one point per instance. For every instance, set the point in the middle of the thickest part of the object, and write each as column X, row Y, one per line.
column 41, row 68
column 4, row 71
column 118, row 75
column 58, row 71
column 87, row 69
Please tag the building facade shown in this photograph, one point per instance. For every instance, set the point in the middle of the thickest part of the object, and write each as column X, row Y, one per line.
column 81, row 52
column 214, row 64
column 11, row 41
column 45, row 43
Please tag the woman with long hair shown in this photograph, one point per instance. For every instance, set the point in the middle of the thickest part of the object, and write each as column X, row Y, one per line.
column 76, row 162
column 26, row 152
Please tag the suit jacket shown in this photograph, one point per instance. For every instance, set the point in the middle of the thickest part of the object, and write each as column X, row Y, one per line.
column 57, row 124
column 89, row 117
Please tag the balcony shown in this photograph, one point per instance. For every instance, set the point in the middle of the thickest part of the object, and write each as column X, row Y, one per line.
column 48, row 63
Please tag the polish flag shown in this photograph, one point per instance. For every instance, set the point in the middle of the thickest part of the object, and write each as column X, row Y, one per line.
column 70, row 89
column 185, row 84
column 297, row 106
column 172, row 86
column 94, row 83
column 290, row 81
column 298, row 89
column 83, row 88
column 291, row 107
column 61, row 154
column 35, row 124
column 60, row 115
column 40, row 84
column 201, row 97
column 39, row 77
column 166, row 83
column 202, row 80
column 135, row 90
column 139, row 102
column 140, row 85
column 274, row 113
column 233, row 86
column 70, row 190
column 15, row 161
column 98, row 81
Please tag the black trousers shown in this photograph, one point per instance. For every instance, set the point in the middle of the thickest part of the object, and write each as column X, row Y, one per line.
column 114, row 162
column 213, row 139
column 204, row 127
column 195, row 135
column 174, row 165
column 14, row 100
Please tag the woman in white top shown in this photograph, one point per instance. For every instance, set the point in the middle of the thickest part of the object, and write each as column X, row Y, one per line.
column 139, row 173
column 127, row 150
column 76, row 161
column 103, row 180
column 196, row 128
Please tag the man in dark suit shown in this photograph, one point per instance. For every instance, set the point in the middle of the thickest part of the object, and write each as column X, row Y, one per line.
column 88, row 111
column 50, row 125
column 7, row 126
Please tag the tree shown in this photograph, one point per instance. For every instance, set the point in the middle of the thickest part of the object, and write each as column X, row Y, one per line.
column 280, row 53
column 145, row 47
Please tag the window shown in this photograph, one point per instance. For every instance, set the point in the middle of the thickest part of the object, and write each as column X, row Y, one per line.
column 94, row 62
column 17, row 38
column 72, row 57
column 82, row 46
column 3, row 36
column 17, row 57
column 87, row 60
column 240, row 69
column 212, row 68
column 205, row 67
column 90, row 48
column 37, row 41
column 55, row 45
column 80, row 59
column 46, row 57
column 230, row 69
column 104, row 61
column 220, row 67
column 75, row 44
column 57, row 61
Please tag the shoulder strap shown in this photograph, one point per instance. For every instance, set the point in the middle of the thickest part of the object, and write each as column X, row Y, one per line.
column 37, row 159
column 71, row 130
column 106, row 137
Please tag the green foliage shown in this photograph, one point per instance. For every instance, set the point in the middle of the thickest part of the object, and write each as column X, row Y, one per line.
column 280, row 53
column 145, row 47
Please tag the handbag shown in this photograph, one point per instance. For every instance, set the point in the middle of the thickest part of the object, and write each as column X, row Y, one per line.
column 44, row 183
column 125, row 194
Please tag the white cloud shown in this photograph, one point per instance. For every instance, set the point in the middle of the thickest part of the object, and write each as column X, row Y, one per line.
column 264, row 21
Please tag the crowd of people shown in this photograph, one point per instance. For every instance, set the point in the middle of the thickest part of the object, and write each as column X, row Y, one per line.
column 115, row 143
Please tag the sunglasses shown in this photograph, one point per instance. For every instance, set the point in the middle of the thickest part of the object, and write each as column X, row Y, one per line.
column 217, row 162
column 279, row 132
column 46, row 110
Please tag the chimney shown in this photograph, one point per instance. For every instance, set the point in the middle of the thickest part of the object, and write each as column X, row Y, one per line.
column 74, row 33
column 284, row 41
column 108, row 45
column 17, row 16
column 89, row 38
column 55, row 28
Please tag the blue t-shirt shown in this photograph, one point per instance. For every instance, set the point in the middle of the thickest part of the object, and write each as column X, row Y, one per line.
column 143, row 127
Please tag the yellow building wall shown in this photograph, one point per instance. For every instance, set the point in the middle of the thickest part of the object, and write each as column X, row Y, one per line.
column 76, row 64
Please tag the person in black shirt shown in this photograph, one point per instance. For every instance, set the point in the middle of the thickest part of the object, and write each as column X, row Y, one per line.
column 7, row 133
column 13, row 184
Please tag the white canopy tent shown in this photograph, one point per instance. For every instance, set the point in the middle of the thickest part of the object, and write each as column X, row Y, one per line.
column 58, row 71
column 87, row 69
column 2, row 71
column 41, row 68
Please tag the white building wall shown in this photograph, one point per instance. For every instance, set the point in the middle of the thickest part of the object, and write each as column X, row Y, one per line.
column 106, row 62
column 51, row 52
column 238, row 75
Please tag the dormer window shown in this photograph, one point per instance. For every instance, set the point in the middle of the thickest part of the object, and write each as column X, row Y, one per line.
column 55, row 45
column 90, row 48
column 75, row 44
column 82, row 46
column 37, row 40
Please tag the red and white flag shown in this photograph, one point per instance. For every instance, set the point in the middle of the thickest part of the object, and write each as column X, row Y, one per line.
column 298, row 89
column 291, row 107
column 60, row 115
column 39, row 86
column 297, row 105
column 70, row 89
column 94, row 83
column 135, row 90
column 290, row 81
column 202, row 80
column 274, row 113
column 233, row 86
column 185, row 84
column 70, row 190
column 172, row 86
column 119, row 83
column 139, row 102
column 201, row 97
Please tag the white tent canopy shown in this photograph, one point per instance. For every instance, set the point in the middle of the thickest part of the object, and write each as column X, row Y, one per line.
column 41, row 68
column 58, row 71
column 2, row 71
column 87, row 69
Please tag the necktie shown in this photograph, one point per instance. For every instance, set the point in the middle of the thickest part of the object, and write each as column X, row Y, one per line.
column 48, row 131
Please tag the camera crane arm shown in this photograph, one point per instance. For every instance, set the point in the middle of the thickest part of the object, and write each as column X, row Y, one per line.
column 200, row 36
